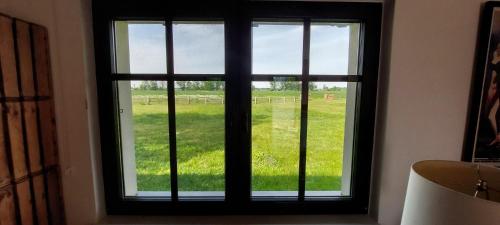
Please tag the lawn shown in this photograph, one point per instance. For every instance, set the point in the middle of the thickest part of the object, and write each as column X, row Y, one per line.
column 275, row 140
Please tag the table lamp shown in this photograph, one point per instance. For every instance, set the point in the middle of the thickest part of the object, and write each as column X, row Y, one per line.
column 452, row 193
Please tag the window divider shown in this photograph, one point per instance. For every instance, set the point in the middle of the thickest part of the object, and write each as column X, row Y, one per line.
column 174, row 187
column 304, row 108
column 238, row 104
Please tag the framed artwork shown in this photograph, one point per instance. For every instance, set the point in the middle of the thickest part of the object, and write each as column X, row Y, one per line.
column 482, row 142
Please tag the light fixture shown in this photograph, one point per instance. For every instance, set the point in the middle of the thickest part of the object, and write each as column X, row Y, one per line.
column 452, row 193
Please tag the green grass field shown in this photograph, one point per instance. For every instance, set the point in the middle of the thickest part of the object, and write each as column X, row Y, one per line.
column 275, row 140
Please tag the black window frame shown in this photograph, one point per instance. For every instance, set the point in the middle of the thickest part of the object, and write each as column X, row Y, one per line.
column 237, row 17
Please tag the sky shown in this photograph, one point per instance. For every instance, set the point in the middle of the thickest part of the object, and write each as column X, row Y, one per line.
column 276, row 49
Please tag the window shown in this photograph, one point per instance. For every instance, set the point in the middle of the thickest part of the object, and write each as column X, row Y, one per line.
column 262, row 107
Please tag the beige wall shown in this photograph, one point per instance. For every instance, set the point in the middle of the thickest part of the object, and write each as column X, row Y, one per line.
column 424, row 93
column 426, row 74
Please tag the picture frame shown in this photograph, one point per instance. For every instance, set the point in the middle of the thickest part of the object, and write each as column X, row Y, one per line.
column 482, row 138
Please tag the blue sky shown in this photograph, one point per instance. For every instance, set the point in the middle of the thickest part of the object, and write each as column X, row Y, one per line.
column 276, row 49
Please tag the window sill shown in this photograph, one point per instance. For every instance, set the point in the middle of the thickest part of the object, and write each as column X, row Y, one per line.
column 288, row 219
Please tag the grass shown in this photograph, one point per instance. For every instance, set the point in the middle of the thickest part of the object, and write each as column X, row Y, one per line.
column 275, row 141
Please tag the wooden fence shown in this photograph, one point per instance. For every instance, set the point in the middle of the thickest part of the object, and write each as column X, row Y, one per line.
column 212, row 99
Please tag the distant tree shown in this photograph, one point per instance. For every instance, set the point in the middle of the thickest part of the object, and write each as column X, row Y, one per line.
column 218, row 85
column 274, row 86
column 153, row 85
column 290, row 85
column 312, row 86
column 182, row 85
column 206, row 85
column 162, row 85
column 144, row 85
column 192, row 85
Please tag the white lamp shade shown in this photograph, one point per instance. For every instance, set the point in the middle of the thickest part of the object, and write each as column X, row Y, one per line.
column 441, row 193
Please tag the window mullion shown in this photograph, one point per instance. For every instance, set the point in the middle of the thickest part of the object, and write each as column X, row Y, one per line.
column 304, row 108
column 171, row 112
column 238, row 135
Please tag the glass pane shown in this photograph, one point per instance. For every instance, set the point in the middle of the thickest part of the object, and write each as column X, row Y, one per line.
column 275, row 138
column 140, row 47
column 329, row 138
column 144, row 137
column 198, row 47
column 334, row 49
column 200, row 137
column 277, row 48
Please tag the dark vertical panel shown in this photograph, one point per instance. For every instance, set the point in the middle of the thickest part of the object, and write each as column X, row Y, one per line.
column 23, row 41
column 32, row 140
column 25, row 202
column 108, row 110
column 7, row 207
column 42, row 65
column 16, row 140
column 47, row 125
column 238, row 90
column 7, row 58
column 366, row 106
column 174, row 187
column 304, row 108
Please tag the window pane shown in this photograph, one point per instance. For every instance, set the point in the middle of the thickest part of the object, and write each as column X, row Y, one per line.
column 140, row 47
column 329, row 138
column 277, row 48
column 200, row 137
column 144, row 137
column 275, row 138
column 198, row 47
column 334, row 48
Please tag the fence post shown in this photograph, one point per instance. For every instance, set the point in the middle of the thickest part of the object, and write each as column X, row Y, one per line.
column 189, row 100
column 206, row 100
column 222, row 100
column 269, row 100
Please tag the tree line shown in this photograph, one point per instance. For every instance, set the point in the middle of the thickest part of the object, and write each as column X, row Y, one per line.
column 182, row 85
column 289, row 85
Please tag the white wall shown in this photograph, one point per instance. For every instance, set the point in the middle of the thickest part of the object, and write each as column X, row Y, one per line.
column 424, row 93
column 426, row 74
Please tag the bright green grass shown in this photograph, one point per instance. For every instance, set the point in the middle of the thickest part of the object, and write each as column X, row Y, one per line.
column 275, row 141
